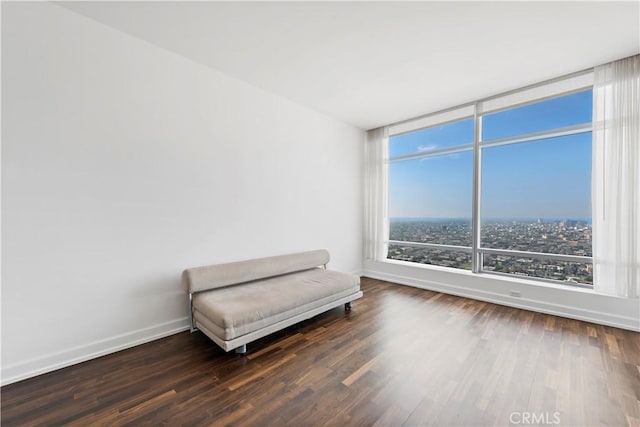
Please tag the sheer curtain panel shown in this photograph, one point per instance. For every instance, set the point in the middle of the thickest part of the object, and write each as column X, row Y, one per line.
column 376, row 219
column 616, row 178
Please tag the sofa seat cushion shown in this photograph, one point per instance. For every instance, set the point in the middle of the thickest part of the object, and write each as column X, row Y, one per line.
column 233, row 311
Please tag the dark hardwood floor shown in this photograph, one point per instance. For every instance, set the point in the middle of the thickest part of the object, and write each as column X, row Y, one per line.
column 402, row 356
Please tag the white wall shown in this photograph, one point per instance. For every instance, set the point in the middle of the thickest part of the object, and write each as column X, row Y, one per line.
column 123, row 164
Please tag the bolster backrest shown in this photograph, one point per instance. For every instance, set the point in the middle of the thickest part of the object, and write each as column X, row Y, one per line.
column 216, row 276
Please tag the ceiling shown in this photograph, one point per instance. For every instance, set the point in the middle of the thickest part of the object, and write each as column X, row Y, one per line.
column 374, row 63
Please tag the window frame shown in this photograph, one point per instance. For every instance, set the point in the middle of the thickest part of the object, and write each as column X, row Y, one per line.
column 551, row 89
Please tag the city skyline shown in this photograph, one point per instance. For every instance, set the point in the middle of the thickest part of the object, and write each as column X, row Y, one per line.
column 567, row 237
column 430, row 218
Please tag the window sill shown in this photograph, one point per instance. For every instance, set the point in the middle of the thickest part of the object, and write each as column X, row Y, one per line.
column 557, row 299
column 497, row 277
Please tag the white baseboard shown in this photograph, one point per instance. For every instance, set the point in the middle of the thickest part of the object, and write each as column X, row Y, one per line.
column 51, row 362
column 598, row 317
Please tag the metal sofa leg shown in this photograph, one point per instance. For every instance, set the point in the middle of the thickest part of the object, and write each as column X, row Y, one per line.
column 242, row 349
column 347, row 307
column 192, row 326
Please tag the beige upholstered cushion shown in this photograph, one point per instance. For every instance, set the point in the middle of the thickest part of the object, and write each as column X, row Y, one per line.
column 237, row 310
column 216, row 276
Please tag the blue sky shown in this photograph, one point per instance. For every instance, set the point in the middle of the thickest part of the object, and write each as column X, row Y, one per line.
column 543, row 179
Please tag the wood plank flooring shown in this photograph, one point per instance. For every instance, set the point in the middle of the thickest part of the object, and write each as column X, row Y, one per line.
column 402, row 356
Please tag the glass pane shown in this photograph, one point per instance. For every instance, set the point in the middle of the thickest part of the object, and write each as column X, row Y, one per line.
column 536, row 196
column 442, row 257
column 554, row 113
column 433, row 138
column 542, row 268
column 567, row 237
column 443, row 231
column 430, row 199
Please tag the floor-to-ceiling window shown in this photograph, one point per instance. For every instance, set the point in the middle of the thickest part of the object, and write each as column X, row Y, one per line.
column 430, row 195
column 502, row 185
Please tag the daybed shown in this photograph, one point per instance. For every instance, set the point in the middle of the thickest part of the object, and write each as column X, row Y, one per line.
column 239, row 302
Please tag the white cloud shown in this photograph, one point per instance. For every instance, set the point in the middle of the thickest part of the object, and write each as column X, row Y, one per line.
column 429, row 147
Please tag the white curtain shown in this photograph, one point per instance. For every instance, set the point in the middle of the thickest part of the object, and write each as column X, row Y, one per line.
column 616, row 178
column 376, row 220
